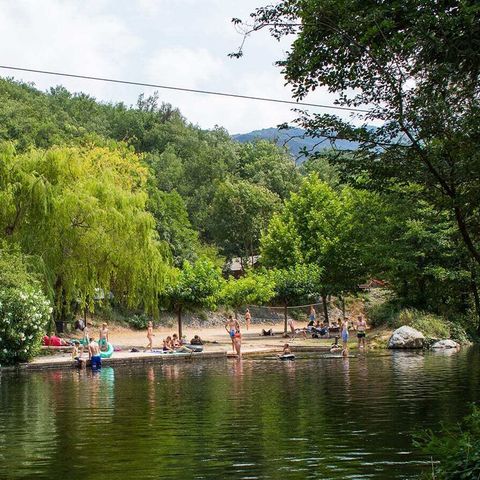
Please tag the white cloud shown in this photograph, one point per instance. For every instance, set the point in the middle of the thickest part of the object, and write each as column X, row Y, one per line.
column 76, row 37
column 173, row 42
column 182, row 66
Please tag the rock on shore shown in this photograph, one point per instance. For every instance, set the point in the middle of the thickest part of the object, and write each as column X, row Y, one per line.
column 445, row 344
column 406, row 337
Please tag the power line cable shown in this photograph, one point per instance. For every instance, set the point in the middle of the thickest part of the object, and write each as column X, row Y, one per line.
column 181, row 89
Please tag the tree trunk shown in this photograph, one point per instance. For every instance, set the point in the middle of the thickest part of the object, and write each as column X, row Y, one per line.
column 467, row 239
column 179, row 317
column 476, row 298
column 285, row 313
column 325, row 307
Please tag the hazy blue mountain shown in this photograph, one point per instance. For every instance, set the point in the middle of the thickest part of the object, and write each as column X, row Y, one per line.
column 294, row 139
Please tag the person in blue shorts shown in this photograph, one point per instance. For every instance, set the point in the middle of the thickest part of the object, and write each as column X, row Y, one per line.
column 345, row 336
column 94, row 354
column 232, row 326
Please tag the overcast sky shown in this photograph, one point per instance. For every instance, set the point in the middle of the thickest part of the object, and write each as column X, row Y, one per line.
column 172, row 42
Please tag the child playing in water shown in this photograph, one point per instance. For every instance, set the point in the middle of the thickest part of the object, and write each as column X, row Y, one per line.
column 286, row 349
column 150, row 336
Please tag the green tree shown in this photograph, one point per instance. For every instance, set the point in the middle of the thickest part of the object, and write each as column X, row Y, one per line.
column 239, row 213
column 335, row 230
column 296, row 284
column 412, row 67
column 423, row 259
column 195, row 286
column 264, row 163
column 82, row 213
column 253, row 288
column 173, row 225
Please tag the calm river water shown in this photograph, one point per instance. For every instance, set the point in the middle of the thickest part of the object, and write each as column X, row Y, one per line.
column 315, row 418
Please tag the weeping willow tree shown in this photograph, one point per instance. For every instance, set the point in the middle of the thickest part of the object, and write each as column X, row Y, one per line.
column 81, row 211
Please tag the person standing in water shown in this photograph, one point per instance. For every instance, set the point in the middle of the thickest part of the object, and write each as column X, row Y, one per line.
column 248, row 318
column 345, row 336
column 94, row 354
column 237, row 343
column 361, row 331
column 232, row 326
column 149, row 336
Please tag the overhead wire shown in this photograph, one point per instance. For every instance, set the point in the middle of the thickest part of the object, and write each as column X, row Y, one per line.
column 181, row 89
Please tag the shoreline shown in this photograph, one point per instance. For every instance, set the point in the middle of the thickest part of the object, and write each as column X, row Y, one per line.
column 217, row 345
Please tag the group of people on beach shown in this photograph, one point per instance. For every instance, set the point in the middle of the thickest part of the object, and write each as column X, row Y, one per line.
column 338, row 328
column 94, row 348
column 172, row 343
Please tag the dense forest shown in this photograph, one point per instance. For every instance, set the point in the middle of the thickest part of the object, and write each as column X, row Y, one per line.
column 137, row 202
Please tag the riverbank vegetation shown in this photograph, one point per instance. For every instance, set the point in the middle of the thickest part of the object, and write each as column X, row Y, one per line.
column 457, row 447
column 133, row 207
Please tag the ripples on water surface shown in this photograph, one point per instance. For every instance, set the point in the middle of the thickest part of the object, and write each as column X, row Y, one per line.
column 315, row 418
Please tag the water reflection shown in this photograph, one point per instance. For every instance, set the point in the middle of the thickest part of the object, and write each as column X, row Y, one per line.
column 316, row 417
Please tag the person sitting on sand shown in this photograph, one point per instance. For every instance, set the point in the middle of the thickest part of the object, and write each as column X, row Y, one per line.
column 167, row 344
column 77, row 353
column 54, row 341
column 321, row 328
column 294, row 331
column 79, row 324
column 177, row 346
column 196, row 340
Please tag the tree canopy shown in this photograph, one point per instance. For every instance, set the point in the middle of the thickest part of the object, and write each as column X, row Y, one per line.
column 82, row 213
column 412, row 69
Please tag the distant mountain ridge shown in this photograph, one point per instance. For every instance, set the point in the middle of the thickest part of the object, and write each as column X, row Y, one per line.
column 295, row 140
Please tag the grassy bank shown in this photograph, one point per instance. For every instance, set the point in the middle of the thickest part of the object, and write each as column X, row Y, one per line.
column 386, row 312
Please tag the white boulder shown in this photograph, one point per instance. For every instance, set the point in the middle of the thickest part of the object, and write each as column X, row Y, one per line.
column 445, row 344
column 406, row 337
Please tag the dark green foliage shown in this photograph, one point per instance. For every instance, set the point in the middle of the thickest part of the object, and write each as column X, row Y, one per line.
column 240, row 211
column 414, row 66
column 456, row 448
column 138, row 321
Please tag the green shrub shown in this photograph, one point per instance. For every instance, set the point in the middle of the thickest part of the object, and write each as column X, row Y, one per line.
column 432, row 326
column 456, row 448
column 24, row 314
column 139, row 322
column 382, row 314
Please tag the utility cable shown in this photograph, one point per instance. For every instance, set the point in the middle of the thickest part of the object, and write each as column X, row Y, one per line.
column 181, row 89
